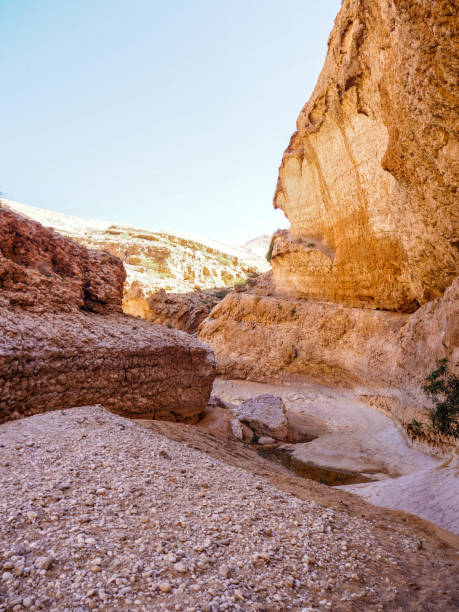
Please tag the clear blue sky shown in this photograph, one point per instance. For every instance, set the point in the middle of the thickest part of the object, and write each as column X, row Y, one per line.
column 163, row 115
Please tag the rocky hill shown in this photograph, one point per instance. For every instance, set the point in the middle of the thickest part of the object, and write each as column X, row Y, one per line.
column 156, row 260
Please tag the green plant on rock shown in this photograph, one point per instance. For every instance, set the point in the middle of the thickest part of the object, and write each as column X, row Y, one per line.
column 221, row 293
column 269, row 254
column 443, row 388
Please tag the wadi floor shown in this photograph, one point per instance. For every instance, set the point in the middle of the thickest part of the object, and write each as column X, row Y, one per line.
column 99, row 512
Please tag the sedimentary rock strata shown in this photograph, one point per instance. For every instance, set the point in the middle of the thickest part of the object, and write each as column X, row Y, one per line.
column 63, row 342
column 184, row 311
column 363, row 289
column 266, row 338
column 368, row 179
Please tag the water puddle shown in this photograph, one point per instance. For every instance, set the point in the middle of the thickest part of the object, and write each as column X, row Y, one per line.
column 325, row 475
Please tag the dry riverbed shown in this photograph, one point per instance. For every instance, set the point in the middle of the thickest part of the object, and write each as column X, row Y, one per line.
column 99, row 512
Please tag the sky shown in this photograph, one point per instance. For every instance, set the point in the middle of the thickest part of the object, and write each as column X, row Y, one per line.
column 162, row 115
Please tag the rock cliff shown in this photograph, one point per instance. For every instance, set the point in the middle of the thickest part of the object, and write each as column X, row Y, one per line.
column 368, row 179
column 362, row 290
column 64, row 341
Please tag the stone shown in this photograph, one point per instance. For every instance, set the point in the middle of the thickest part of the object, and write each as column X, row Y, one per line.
column 27, row 602
column 265, row 415
column 43, row 563
column 265, row 440
column 165, row 587
column 64, row 341
column 241, row 431
column 224, row 571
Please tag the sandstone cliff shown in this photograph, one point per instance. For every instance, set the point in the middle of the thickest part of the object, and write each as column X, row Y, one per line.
column 368, row 185
column 63, row 341
column 368, row 179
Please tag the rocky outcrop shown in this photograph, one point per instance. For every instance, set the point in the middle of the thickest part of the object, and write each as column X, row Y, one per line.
column 368, row 179
column 40, row 270
column 387, row 355
column 267, row 338
column 184, row 311
column 64, row 341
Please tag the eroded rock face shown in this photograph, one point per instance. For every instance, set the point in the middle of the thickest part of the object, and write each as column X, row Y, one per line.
column 41, row 270
column 64, row 343
column 184, row 311
column 368, row 179
column 267, row 338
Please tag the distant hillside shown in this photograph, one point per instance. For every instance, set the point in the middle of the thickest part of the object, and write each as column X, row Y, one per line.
column 259, row 245
column 157, row 260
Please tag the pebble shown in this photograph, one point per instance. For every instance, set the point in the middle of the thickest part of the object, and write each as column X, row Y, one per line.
column 42, row 563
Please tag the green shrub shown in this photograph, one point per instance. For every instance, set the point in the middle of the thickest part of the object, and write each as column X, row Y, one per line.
column 415, row 429
column 221, row 293
column 443, row 387
column 269, row 254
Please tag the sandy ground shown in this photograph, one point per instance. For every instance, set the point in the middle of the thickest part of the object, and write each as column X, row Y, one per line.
column 355, row 437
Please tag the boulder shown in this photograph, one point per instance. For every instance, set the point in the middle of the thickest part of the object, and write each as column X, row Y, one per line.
column 265, row 415
column 265, row 440
column 64, row 341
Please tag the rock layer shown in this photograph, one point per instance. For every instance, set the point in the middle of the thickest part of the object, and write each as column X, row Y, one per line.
column 183, row 311
column 267, row 338
column 368, row 179
column 63, row 342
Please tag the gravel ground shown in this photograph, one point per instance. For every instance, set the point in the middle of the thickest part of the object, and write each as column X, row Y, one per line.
column 97, row 512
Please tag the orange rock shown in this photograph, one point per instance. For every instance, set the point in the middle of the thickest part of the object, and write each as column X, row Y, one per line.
column 368, row 179
column 64, row 341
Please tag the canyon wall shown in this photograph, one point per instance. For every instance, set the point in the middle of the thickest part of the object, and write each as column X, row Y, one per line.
column 269, row 338
column 369, row 177
column 64, row 341
column 362, row 291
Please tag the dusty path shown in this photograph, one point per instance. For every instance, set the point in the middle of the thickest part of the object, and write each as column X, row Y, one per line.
column 97, row 512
